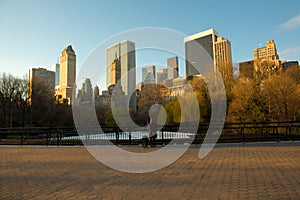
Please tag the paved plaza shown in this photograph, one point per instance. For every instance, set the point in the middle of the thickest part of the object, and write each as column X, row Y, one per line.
column 230, row 171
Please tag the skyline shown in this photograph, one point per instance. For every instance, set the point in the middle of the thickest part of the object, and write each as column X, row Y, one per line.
column 35, row 32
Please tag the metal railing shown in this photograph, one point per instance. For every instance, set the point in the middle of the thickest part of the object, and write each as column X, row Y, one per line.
column 231, row 132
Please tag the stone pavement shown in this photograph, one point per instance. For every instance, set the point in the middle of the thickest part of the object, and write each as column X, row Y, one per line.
column 230, row 171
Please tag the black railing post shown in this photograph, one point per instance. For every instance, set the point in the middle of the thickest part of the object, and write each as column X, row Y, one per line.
column 277, row 135
column 117, row 136
column 47, row 136
column 86, row 139
column 57, row 137
column 243, row 133
column 21, row 137
column 129, row 138
column 162, row 137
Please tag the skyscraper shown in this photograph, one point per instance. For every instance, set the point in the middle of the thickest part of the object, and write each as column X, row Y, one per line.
column 148, row 74
column 223, row 57
column 96, row 92
column 85, row 94
column 67, row 75
column 172, row 67
column 56, row 68
column 162, row 75
column 40, row 80
column 218, row 48
column 120, row 61
column 207, row 40
column 122, row 54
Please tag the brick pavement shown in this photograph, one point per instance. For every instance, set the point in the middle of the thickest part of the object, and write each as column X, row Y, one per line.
column 242, row 171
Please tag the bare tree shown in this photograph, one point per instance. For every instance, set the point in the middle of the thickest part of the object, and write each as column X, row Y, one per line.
column 22, row 99
column 8, row 85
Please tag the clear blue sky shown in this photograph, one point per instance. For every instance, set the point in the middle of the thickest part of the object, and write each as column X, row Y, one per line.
column 34, row 32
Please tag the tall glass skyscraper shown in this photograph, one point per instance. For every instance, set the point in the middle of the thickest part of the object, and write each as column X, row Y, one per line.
column 120, row 66
column 172, row 67
column 193, row 54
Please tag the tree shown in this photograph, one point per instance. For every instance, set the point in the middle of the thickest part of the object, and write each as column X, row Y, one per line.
column 8, row 85
column 201, row 92
column 21, row 99
column 283, row 94
column 150, row 95
column 294, row 73
column 247, row 103
column 42, row 104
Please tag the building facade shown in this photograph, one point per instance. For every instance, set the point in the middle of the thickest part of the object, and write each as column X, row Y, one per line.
column 56, row 68
column 121, row 66
column 96, row 92
column 120, row 60
column 223, row 57
column 148, row 74
column 193, row 55
column 67, row 76
column 40, row 80
column 85, row 94
column 172, row 64
column 288, row 64
column 266, row 59
column 215, row 49
column 161, row 75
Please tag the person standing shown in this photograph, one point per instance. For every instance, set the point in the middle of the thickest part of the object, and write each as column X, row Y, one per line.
column 152, row 131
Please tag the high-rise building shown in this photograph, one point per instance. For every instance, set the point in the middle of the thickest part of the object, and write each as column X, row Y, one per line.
column 266, row 59
column 217, row 48
column 148, row 74
column 161, row 75
column 223, row 57
column 172, row 67
column 40, row 80
column 67, row 75
column 56, row 68
column 193, row 56
column 85, row 94
column 96, row 92
column 120, row 61
column 122, row 54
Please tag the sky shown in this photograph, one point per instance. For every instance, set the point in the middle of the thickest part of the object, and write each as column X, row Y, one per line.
column 33, row 33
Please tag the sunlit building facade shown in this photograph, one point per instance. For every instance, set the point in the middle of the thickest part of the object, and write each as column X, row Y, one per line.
column 223, row 57
column 40, row 80
column 266, row 59
column 67, row 76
